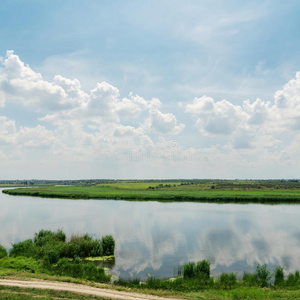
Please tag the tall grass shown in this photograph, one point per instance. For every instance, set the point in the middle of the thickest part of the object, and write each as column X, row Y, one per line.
column 196, row 276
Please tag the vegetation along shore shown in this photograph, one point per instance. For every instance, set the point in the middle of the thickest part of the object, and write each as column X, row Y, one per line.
column 227, row 191
column 51, row 256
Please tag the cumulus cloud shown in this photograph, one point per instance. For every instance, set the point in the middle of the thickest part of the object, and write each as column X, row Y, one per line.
column 71, row 122
column 37, row 137
column 19, row 83
column 251, row 123
column 164, row 123
column 215, row 117
column 7, row 130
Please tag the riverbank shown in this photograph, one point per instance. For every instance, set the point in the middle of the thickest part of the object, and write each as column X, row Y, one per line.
column 202, row 191
column 25, row 285
column 50, row 257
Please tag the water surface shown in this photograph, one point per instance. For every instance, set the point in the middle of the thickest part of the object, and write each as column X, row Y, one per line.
column 153, row 238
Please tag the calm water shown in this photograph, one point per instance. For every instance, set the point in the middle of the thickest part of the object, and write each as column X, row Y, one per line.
column 154, row 238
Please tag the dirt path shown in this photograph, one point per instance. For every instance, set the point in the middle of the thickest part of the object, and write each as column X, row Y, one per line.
column 79, row 288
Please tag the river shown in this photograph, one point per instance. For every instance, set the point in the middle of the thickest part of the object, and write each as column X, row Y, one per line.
column 153, row 238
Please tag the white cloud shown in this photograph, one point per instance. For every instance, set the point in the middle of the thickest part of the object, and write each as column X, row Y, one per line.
column 19, row 83
column 164, row 123
column 215, row 117
column 38, row 137
column 7, row 130
column 287, row 104
column 251, row 125
column 75, row 126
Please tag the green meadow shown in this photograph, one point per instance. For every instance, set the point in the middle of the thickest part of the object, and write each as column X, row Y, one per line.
column 263, row 191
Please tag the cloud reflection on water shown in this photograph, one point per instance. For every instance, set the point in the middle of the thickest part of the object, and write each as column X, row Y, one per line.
column 154, row 238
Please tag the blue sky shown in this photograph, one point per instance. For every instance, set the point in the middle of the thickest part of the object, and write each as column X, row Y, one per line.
column 149, row 89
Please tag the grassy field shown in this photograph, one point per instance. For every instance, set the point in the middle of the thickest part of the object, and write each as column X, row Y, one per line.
column 276, row 191
column 11, row 293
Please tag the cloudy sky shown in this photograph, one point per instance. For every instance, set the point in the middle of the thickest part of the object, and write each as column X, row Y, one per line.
column 149, row 89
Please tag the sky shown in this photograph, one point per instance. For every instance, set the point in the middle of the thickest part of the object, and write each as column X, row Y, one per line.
column 118, row 89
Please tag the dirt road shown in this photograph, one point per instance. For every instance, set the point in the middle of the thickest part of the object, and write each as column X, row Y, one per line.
column 79, row 288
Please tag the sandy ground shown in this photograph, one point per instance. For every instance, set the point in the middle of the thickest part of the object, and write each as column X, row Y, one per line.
column 79, row 288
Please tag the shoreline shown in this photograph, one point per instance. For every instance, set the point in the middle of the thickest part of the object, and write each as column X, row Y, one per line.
column 172, row 195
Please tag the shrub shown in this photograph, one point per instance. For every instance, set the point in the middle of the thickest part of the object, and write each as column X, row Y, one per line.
column 90, row 271
column 20, row 263
column 63, row 266
column 250, row 279
column 53, row 256
column 279, row 276
column 85, row 246
column 108, row 245
column 45, row 236
column 3, row 252
column 227, row 281
column 263, row 275
column 291, row 280
column 189, row 270
column 297, row 275
column 203, row 269
column 25, row 248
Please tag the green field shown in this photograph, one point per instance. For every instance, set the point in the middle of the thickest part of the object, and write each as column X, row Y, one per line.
column 14, row 293
column 271, row 191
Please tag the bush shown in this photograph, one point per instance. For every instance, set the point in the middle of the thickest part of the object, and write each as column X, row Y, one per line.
column 250, row 279
column 279, row 276
column 108, row 245
column 297, row 276
column 203, row 269
column 53, row 245
column 84, row 246
column 263, row 275
column 52, row 248
column 54, row 251
column 20, row 263
column 293, row 280
column 200, row 271
column 90, row 271
column 189, row 270
column 3, row 252
column 25, row 248
column 227, row 281
column 46, row 236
